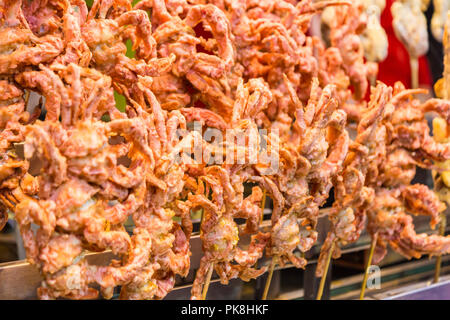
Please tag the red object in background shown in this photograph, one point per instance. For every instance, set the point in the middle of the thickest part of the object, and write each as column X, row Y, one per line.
column 396, row 67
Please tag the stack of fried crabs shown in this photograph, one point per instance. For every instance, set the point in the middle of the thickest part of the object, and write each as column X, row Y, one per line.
column 231, row 65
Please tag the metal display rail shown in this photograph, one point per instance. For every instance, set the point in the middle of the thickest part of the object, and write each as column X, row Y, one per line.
column 19, row 279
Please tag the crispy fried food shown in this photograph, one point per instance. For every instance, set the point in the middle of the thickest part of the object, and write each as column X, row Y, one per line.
column 374, row 37
column 88, row 170
column 388, row 218
column 353, row 189
column 346, row 23
column 408, row 144
column 220, row 234
column 439, row 18
column 414, row 36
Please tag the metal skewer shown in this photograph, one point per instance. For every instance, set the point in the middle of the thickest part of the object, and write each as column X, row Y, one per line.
column 369, row 263
column 325, row 272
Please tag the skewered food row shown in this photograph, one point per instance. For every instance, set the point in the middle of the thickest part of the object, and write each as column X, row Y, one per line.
column 235, row 67
column 393, row 138
column 439, row 18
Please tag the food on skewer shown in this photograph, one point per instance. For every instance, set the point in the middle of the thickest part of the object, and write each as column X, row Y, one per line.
column 235, row 67
column 401, row 142
column 219, row 232
column 220, row 235
column 439, row 18
column 197, row 77
column 414, row 36
column 283, row 110
column 88, row 36
column 13, row 117
column 19, row 48
column 442, row 177
column 65, row 212
column 318, row 149
column 105, row 36
column 440, row 134
column 374, row 38
column 407, row 144
column 353, row 189
column 346, row 25
column 170, row 251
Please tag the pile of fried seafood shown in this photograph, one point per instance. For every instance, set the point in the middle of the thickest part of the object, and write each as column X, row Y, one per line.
column 75, row 170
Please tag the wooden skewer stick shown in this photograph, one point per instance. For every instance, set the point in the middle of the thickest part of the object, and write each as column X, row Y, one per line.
column 325, row 272
column 369, row 263
column 211, row 267
column 10, row 203
column 7, row 202
column 27, row 98
column 12, row 198
column 414, row 62
column 437, row 270
column 269, row 278
column 263, row 205
column 208, row 281
column 373, row 81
